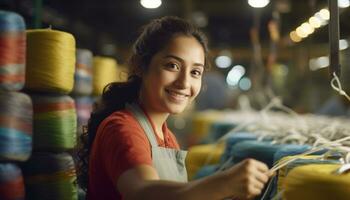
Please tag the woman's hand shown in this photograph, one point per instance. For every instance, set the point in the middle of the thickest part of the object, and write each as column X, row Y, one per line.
column 247, row 178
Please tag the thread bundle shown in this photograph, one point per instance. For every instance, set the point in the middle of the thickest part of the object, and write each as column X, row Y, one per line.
column 317, row 182
column 50, row 61
column 105, row 71
column 11, row 182
column 83, row 73
column 54, row 123
column 16, row 115
column 50, row 177
column 12, row 51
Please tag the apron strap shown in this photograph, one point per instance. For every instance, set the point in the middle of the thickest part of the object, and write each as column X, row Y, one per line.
column 143, row 121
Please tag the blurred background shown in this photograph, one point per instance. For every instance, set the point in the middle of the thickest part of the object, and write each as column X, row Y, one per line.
column 260, row 49
column 254, row 44
column 265, row 55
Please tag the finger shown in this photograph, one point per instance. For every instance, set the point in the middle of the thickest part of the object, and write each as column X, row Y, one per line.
column 262, row 167
column 261, row 177
column 253, row 191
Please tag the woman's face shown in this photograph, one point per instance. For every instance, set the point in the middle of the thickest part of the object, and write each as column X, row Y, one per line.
column 174, row 76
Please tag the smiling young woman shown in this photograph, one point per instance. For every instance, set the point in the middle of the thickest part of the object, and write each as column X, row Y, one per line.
column 130, row 153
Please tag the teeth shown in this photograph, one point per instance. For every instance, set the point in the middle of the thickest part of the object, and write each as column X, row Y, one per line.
column 177, row 94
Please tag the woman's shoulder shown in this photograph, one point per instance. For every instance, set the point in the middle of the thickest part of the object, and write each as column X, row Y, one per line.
column 120, row 121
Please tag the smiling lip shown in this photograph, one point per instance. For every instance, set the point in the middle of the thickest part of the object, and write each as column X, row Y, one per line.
column 177, row 97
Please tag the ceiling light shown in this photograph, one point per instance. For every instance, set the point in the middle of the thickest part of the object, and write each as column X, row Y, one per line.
column 294, row 37
column 315, row 22
column 258, row 3
column 324, row 13
column 301, row 33
column 245, row 84
column 151, row 4
column 343, row 3
column 307, row 28
column 343, row 44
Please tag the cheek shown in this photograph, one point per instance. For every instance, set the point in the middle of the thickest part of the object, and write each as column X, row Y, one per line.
column 196, row 88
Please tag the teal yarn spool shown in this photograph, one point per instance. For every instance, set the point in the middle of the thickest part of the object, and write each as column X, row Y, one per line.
column 49, row 176
column 217, row 130
column 262, row 151
column 301, row 162
column 11, row 182
column 12, row 51
column 16, row 116
column 55, row 123
column 294, row 149
column 206, row 171
column 232, row 139
column 83, row 73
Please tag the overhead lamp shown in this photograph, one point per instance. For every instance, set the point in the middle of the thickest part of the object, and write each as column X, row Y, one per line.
column 151, row 4
column 343, row 3
column 301, row 33
column 324, row 13
column 234, row 75
column 343, row 44
column 245, row 84
column 307, row 28
column 258, row 3
column 294, row 36
column 315, row 22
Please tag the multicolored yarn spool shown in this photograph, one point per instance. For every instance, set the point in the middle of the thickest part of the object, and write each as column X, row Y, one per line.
column 317, row 182
column 12, row 51
column 83, row 73
column 55, row 123
column 49, row 176
column 104, row 72
column 83, row 106
column 16, row 118
column 11, row 182
column 50, row 61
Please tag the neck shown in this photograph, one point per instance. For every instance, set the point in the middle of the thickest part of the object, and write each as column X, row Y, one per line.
column 158, row 120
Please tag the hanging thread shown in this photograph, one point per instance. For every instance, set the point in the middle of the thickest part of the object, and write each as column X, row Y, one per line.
column 49, row 176
column 55, row 123
column 83, row 73
column 16, row 115
column 12, row 51
column 50, row 61
column 11, row 182
column 104, row 72
column 337, row 87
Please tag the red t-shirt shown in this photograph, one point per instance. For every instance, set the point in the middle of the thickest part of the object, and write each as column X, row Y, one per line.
column 120, row 144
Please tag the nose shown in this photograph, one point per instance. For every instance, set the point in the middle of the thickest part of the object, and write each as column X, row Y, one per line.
column 183, row 80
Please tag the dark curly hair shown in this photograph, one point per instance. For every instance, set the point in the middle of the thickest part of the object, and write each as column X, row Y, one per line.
column 153, row 38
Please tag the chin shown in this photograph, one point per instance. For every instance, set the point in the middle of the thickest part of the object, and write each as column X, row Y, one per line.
column 175, row 109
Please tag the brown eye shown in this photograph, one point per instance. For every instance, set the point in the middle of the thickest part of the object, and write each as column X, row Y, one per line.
column 197, row 73
column 173, row 66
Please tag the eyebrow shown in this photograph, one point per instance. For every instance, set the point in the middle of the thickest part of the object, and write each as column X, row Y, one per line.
column 182, row 60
